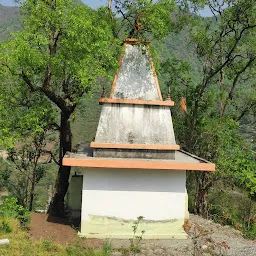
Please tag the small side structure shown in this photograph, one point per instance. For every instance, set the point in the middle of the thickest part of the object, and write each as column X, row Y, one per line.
column 134, row 166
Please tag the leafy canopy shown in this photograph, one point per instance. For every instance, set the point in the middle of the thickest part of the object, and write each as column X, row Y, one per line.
column 58, row 56
column 144, row 19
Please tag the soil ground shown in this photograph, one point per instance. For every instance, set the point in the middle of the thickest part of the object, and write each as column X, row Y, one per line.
column 55, row 230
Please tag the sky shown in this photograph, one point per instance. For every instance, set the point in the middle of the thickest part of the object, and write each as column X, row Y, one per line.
column 95, row 4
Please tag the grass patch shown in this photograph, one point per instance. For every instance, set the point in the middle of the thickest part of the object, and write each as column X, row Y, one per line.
column 21, row 244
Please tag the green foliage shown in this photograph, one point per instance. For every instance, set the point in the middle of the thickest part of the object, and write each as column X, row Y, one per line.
column 240, row 163
column 5, row 226
column 107, row 248
column 80, row 250
column 22, row 244
column 25, row 166
column 229, row 205
column 134, row 248
column 20, row 115
column 50, row 247
column 83, row 46
column 57, row 58
column 216, row 86
column 84, row 50
column 143, row 18
column 251, row 233
column 224, row 216
column 11, row 209
column 199, row 55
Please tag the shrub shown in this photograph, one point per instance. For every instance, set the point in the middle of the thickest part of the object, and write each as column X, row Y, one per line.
column 11, row 209
column 251, row 233
column 5, row 226
column 8, row 225
column 79, row 250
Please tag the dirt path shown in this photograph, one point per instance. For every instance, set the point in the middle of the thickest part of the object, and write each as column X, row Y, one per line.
column 53, row 230
column 56, row 231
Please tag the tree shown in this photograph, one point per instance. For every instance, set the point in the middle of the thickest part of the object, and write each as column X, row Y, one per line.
column 144, row 19
column 23, row 169
column 58, row 56
column 226, row 57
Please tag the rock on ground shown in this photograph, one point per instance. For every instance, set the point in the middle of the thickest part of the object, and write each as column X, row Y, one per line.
column 225, row 240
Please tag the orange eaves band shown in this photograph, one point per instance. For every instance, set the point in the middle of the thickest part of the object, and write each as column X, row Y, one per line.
column 135, row 146
column 92, row 162
column 137, row 102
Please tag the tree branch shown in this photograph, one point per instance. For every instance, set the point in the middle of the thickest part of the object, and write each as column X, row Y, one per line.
column 57, row 100
column 231, row 92
column 110, row 9
column 245, row 111
column 55, row 125
column 28, row 82
column 52, row 157
column 216, row 71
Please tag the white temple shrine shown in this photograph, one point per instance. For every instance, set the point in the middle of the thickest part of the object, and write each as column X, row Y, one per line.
column 134, row 166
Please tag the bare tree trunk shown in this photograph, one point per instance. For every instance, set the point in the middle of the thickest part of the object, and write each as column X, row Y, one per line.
column 222, row 102
column 25, row 201
column 62, row 182
column 201, row 203
column 204, row 183
column 32, row 191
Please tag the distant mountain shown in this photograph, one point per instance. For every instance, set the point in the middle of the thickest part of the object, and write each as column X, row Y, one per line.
column 9, row 21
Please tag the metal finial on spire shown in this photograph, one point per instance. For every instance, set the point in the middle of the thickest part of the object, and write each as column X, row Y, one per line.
column 169, row 94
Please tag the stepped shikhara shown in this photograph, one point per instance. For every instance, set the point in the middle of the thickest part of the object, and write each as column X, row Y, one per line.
column 134, row 166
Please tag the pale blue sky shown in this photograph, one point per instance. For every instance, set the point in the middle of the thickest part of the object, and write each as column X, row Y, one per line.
column 97, row 3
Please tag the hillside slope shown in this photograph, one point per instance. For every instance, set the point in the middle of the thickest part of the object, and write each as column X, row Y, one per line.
column 9, row 21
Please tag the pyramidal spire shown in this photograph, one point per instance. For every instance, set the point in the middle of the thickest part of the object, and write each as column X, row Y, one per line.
column 136, row 78
column 135, row 121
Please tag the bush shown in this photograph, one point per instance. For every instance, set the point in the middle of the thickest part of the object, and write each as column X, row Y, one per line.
column 234, row 208
column 5, row 226
column 11, row 209
column 8, row 225
column 80, row 250
column 251, row 233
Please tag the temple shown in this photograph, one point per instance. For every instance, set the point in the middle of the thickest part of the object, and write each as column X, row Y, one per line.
column 134, row 166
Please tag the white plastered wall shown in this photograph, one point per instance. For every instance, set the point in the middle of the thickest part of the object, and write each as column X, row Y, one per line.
column 126, row 194
column 136, row 124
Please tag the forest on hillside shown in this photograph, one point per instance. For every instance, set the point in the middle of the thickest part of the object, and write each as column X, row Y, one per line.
column 53, row 69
